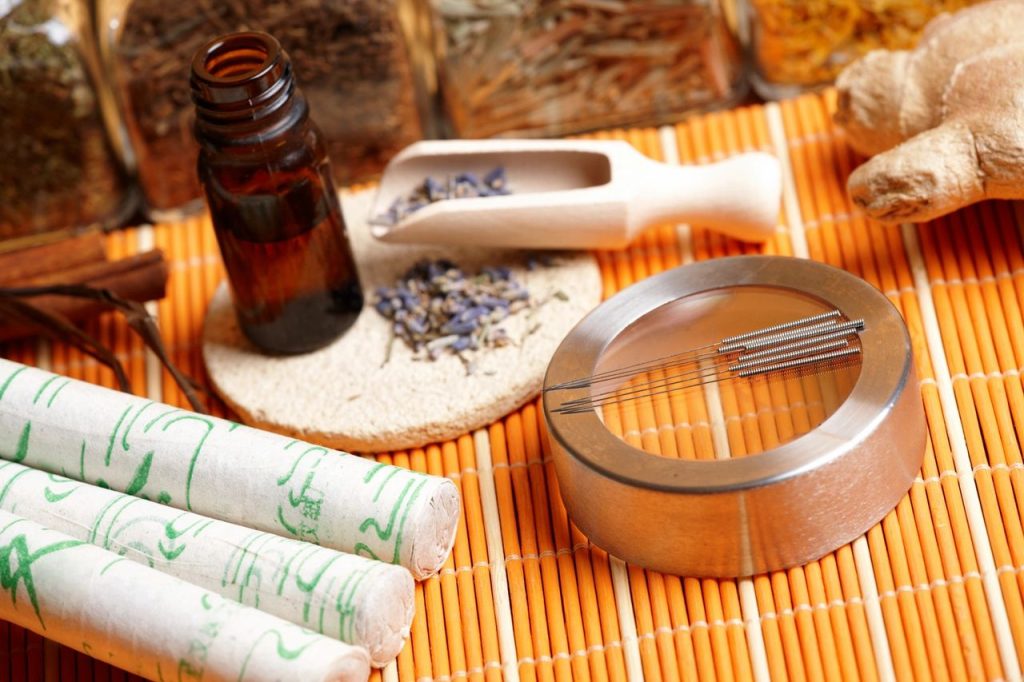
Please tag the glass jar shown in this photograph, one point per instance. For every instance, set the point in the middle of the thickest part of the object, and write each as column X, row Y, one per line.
column 798, row 45
column 59, row 166
column 350, row 59
column 556, row 67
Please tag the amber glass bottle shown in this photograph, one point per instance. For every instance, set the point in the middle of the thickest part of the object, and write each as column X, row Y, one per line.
column 264, row 169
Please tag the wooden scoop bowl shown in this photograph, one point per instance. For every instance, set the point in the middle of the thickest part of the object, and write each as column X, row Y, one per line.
column 575, row 194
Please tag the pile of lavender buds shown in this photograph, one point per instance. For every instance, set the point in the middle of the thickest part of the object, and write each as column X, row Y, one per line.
column 460, row 186
column 435, row 308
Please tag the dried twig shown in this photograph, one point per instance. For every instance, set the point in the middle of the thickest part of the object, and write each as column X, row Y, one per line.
column 135, row 315
column 58, row 327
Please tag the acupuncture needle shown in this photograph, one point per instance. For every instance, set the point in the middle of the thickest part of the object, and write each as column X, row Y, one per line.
column 692, row 354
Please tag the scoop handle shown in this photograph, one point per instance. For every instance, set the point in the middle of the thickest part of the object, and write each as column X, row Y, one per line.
column 738, row 197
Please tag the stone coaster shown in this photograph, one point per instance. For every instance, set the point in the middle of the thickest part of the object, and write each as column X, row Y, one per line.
column 348, row 397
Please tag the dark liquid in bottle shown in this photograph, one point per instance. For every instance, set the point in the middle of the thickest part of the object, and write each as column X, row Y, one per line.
column 264, row 169
column 293, row 223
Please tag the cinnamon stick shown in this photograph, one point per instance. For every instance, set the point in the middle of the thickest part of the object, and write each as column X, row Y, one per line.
column 142, row 277
column 32, row 262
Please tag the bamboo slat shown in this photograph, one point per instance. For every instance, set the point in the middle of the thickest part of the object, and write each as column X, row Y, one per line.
column 934, row 591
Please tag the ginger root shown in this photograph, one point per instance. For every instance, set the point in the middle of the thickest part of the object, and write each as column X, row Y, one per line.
column 945, row 120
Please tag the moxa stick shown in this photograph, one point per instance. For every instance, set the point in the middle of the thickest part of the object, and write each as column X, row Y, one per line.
column 359, row 601
column 152, row 624
column 226, row 471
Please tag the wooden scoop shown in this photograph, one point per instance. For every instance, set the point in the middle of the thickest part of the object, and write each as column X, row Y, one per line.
column 575, row 194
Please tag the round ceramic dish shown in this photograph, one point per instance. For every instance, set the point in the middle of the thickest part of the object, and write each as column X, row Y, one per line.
column 737, row 517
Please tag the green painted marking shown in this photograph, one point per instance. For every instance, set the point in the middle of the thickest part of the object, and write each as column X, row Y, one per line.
column 362, row 549
column 205, row 601
column 11, row 525
column 53, row 497
column 138, row 482
column 280, row 518
column 4, row 386
column 42, row 388
column 234, row 425
column 112, row 563
column 373, row 471
column 22, row 449
column 306, row 484
column 249, row 539
column 173, row 534
column 16, row 568
column 385, row 533
column 187, row 671
column 285, row 571
column 323, row 451
column 81, row 463
column 384, row 483
column 323, row 605
column 49, row 403
column 248, row 580
column 164, row 497
column 283, row 651
column 405, row 517
column 247, row 549
column 139, row 548
column 7, row 486
column 170, row 554
column 160, row 416
column 94, row 531
column 308, row 506
column 128, row 429
column 195, row 454
column 113, row 435
column 347, row 610
column 308, row 586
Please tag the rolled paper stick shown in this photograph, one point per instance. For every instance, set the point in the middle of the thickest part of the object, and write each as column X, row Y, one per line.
column 226, row 471
column 359, row 601
column 152, row 624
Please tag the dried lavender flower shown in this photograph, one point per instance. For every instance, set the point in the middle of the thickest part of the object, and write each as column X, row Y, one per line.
column 460, row 186
column 435, row 308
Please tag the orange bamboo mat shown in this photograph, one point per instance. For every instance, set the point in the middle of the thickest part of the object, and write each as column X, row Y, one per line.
column 934, row 591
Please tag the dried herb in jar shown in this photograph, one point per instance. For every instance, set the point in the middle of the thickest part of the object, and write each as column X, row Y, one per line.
column 57, row 167
column 808, row 42
column 559, row 66
column 349, row 57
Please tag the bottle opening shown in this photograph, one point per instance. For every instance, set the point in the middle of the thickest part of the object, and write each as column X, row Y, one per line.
column 236, row 58
column 236, row 64
column 242, row 71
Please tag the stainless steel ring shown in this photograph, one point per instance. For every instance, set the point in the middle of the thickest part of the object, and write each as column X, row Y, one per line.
column 738, row 517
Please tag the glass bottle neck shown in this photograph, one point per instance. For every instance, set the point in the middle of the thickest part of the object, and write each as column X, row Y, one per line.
column 244, row 91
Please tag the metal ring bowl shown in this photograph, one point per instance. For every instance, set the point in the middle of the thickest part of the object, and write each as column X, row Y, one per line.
column 737, row 517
